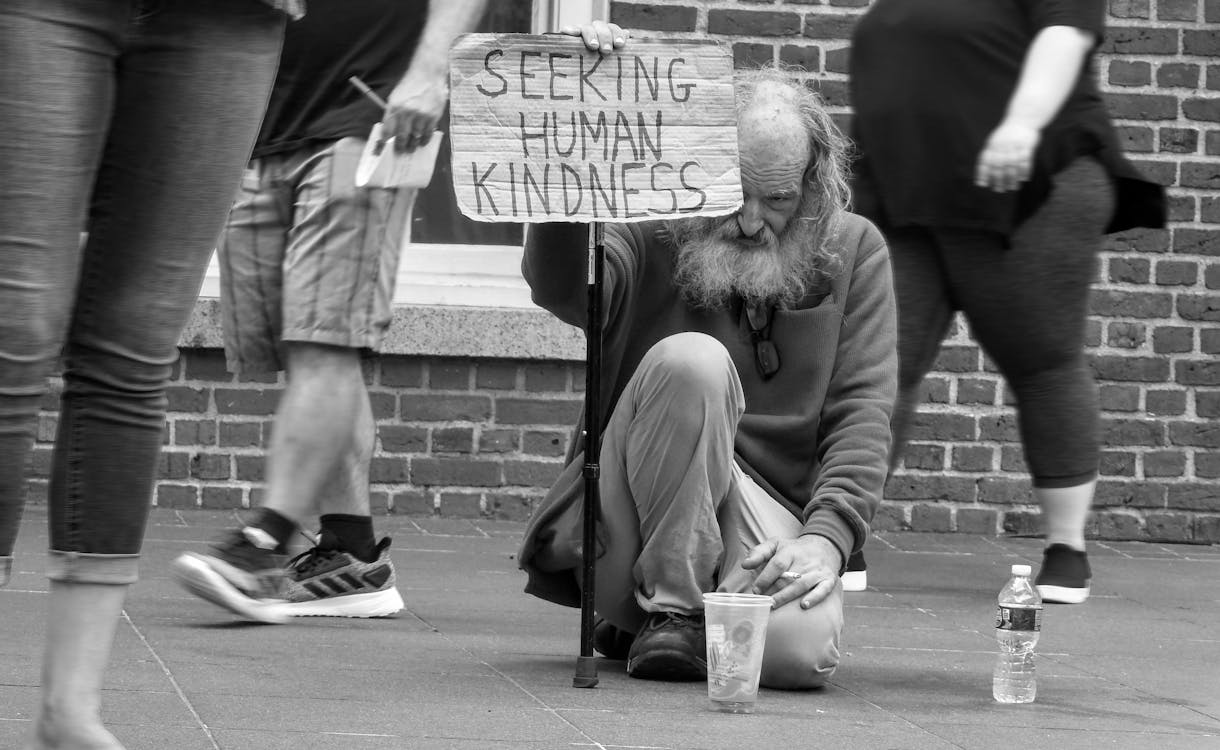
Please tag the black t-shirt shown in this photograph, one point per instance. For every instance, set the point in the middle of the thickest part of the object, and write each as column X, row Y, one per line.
column 312, row 99
column 931, row 79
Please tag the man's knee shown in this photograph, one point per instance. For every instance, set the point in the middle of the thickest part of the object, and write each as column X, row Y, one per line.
column 305, row 359
column 802, row 649
column 690, row 363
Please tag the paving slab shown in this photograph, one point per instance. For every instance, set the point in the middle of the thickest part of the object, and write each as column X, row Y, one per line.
column 475, row 663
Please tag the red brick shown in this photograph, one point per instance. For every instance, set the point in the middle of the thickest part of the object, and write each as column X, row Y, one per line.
column 1197, row 373
column 1135, row 138
column 829, row 25
column 1129, row 270
column 935, row 390
column 1142, row 106
column 450, row 376
column 1119, row 526
column 467, row 472
column 241, row 434
column 941, row 426
column 806, row 57
column 1177, row 75
column 1181, row 208
column 923, row 456
column 1173, row 339
column 1127, row 432
column 195, row 432
column 403, row 439
column 1130, row 73
column 251, row 468
column 545, row 443
column 414, row 503
column 1177, row 273
column 1130, row 8
column 1164, row 464
column 461, row 505
column 177, row 496
column 210, row 465
column 1131, row 369
column 247, row 400
column 1211, row 11
column 1207, row 404
column 1204, row 497
column 1112, row 303
column 931, row 518
column 1205, row 42
column 976, row 521
column 537, row 411
column 505, row 507
column 976, row 391
column 1209, row 341
column 379, row 503
column 929, row 487
column 1021, row 523
column 1168, row 527
column 531, row 473
column 1200, row 175
column 207, row 364
column 1138, row 241
column 498, row 441
column 1196, row 434
column 383, row 405
column 425, row 407
column 183, row 398
column 453, row 440
column 976, row 458
column 389, row 470
column 1124, row 335
column 747, row 56
column 1158, row 171
column 174, row 465
column 546, row 378
column 221, row 498
column 1207, row 465
column 1123, row 398
column 890, row 517
column 1117, row 464
column 1199, row 307
column 753, row 23
column 1002, row 428
column 1165, row 403
column 1130, row 494
column 400, row 372
column 1206, row 530
column 656, row 17
column 496, row 376
column 1004, row 490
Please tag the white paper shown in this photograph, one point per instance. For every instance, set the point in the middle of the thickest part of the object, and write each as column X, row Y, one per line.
column 381, row 166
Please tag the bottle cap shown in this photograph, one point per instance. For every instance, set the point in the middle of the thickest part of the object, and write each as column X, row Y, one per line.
column 1021, row 570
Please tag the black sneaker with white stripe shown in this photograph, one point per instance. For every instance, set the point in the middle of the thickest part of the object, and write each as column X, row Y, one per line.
column 327, row 582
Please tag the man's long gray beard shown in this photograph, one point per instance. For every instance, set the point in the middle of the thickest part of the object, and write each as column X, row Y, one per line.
column 714, row 262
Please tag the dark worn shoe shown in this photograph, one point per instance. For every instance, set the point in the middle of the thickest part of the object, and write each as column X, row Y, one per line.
column 1064, row 576
column 611, row 642
column 671, row 647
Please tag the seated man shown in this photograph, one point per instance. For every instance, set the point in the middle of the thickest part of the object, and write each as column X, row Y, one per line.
column 749, row 373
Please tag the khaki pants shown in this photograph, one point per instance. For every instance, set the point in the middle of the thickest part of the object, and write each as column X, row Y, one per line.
column 680, row 515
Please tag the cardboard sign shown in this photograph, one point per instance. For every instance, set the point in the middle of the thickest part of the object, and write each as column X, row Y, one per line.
column 544, row 130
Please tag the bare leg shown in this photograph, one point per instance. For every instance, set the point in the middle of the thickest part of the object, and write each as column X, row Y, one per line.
column 81, row 624
column 322, row 441
column 1064, row 512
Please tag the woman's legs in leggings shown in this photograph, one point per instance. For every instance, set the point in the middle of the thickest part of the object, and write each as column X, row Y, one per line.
column 151, row 121
column 1027, row 306
column 925, row 311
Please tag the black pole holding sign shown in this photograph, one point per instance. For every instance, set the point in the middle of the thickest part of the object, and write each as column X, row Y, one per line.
column 586, row 663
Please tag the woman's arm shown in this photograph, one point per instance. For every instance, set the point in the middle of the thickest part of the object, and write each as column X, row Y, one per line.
column 1048, row 75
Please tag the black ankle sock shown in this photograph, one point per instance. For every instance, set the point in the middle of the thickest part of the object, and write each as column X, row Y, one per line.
column 354, row 534
column 278, row 525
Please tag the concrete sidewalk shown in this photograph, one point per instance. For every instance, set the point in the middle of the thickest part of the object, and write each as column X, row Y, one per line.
column 475, row 663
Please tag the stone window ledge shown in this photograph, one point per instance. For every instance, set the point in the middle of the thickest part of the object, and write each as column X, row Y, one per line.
column 439, row 331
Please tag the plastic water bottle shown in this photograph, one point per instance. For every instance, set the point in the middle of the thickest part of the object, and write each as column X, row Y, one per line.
column 1018, row 620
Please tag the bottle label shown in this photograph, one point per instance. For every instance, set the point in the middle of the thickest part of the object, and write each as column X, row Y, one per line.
column 1018, row 618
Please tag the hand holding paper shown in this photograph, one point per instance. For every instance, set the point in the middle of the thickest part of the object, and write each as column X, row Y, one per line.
column 382, row 165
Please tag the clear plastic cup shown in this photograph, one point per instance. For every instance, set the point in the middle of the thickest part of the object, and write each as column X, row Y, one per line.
column 736, row 630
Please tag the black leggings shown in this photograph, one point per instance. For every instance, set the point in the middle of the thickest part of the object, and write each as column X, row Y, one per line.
column 1026, row 305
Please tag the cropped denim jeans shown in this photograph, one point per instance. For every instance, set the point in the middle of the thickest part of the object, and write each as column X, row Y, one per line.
column 125, row 127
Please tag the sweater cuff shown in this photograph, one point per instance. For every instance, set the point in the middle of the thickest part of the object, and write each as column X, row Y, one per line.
column 828, row 523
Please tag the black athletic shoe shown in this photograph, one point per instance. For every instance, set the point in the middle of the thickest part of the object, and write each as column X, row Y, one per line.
column 241, row 572
column 671, row 647
column 1064, row 576
column 855, row 577
column 611, row 642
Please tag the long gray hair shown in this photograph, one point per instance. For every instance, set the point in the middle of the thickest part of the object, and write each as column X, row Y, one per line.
column 827, row 194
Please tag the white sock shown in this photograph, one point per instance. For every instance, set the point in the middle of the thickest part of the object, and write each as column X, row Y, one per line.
column 1064, row 512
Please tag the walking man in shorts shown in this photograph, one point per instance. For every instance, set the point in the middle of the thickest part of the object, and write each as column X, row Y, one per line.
column 308, row 264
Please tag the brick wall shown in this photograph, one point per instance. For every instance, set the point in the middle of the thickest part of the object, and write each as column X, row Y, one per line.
column 473, row 437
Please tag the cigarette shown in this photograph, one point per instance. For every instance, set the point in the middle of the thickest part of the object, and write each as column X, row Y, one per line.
column 363, row 88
